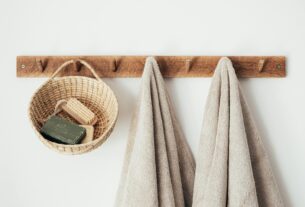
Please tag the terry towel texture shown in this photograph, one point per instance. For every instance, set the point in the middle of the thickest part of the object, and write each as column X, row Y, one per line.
column 159, row 167
column 232, row 168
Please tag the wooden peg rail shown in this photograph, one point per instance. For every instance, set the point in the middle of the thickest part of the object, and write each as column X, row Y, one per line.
column 170, row 66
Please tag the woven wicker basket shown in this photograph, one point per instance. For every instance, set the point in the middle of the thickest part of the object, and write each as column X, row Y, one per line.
column 93, row 93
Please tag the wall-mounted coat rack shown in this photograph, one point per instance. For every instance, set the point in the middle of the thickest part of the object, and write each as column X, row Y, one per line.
column 170, row 66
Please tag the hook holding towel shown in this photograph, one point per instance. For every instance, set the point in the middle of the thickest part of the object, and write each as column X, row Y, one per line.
column 42, row 64
column 261, row 65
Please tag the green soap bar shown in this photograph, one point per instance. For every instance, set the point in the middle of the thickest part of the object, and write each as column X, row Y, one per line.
column 59, row 130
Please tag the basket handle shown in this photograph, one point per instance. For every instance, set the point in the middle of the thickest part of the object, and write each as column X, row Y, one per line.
column 73, row 61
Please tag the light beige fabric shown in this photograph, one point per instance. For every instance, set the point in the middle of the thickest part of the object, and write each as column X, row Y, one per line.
column 232, row 168
column 159, row 167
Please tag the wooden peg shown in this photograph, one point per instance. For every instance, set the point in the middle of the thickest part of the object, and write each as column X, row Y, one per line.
column 188, row 65
column 42, row 64
column 78, row 66
column 116, row 64
column 261, row 65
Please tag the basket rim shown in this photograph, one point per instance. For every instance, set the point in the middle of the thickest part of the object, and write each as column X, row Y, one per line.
column 95, row 141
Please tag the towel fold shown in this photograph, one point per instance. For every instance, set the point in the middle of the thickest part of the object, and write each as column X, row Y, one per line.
column 159, row 167
column 232, row 168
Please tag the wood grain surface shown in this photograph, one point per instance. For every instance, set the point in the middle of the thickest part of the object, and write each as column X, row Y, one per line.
column 132, row 66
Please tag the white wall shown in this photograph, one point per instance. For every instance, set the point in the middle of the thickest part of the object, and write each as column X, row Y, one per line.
column 33, row 176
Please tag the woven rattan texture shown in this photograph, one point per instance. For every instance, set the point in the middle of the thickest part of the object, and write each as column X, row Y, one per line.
column 94, row 94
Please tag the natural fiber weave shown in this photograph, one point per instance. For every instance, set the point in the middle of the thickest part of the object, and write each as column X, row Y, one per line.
column 93, row 93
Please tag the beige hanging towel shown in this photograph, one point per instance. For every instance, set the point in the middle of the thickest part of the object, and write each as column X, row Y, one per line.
column 232, row 166
column 159, row 167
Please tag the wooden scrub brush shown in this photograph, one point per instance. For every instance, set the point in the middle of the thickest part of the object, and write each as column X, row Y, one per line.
column 76, row 110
